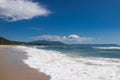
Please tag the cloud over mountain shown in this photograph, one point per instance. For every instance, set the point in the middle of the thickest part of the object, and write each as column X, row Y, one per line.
column 73, row 38
column 13, row 10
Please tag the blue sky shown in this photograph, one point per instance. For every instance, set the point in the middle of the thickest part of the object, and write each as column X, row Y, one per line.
column 93, row 21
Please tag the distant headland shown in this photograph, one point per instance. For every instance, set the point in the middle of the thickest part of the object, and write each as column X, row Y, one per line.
column 4, row 41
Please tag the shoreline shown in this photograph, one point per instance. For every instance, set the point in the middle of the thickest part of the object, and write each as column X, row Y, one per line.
column 2, row 47
column 33, row 64
column 62, row 67
column 13, row 68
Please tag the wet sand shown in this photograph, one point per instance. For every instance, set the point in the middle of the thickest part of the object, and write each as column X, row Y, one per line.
column 12, row 67
column 2, row 47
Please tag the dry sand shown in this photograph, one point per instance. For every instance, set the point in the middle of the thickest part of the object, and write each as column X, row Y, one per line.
column 12, row 67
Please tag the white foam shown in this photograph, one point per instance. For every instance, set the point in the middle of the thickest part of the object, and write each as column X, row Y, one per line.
column 107, row 47
column 62, row 67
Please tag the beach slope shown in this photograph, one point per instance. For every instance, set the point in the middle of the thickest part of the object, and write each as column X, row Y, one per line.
column 12, row 67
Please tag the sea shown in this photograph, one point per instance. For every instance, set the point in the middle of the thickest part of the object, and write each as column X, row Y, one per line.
column 75, row 62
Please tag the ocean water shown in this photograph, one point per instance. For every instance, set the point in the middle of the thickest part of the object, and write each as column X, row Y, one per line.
column 75, row 62
column 86, row 51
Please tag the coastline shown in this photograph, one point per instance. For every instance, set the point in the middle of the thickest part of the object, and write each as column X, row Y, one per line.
column 13, row 68
column 30, row 63
column 62, row 67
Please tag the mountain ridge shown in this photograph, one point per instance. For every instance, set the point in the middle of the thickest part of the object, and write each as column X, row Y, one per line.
column 46, row 42
column 4, row 41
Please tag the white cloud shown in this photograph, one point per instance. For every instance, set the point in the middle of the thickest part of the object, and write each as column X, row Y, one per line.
column 14, row 10
column 73, row 38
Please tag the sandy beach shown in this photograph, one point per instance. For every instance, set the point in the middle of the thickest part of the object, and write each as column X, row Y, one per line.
column 12, row 67
column 2, row 47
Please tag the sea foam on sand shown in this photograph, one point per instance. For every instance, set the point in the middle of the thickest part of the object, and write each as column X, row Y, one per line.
column 62, row 67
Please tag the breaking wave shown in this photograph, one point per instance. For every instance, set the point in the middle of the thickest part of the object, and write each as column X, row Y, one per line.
column 62, row 67
column 107, row 47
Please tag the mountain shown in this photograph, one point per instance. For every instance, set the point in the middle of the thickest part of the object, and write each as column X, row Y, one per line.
column 45, row 42
column 4, row 41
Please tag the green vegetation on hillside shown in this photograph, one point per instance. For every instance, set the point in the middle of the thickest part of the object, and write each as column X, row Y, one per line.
column 4, row 41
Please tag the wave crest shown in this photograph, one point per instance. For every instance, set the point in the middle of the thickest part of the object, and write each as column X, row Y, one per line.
column 107, row 47
column 63, row 67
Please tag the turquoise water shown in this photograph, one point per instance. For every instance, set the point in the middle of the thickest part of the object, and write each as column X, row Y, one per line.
column 87, row 51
